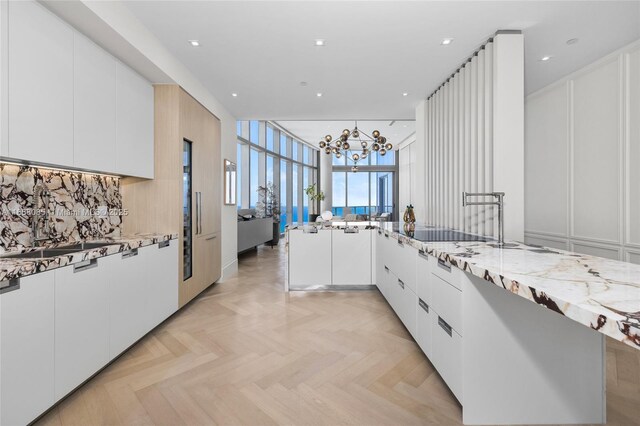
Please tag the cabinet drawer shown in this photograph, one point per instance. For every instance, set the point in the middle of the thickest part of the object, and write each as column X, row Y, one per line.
column 423, row 275
column 447, row 300
column 447, row 354
column 424, row 327
column 450, row 274
column 403, row 262
column 404, row 302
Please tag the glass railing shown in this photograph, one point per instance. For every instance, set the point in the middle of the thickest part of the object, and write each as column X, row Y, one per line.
column 364, row 210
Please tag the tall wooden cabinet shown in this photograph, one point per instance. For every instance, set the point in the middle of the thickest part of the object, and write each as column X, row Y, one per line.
column 158, row 204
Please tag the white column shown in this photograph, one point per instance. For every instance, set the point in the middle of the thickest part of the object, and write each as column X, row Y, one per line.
column 419, row 148
column 508, row 130
column 326, row 181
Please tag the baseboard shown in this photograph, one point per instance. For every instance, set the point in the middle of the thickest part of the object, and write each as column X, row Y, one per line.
column 229, row 270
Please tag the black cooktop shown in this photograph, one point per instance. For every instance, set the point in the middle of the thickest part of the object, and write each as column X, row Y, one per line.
column 441, row 235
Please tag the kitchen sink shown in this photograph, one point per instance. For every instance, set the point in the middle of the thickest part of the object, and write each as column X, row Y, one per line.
column 40, row 254
column 58, row 251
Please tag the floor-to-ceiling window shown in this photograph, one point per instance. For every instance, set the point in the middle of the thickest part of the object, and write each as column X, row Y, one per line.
column 268, row 154
column 369, row 191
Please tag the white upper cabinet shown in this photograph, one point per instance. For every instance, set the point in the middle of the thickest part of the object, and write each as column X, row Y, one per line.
column 65, row 101
column 134, row 124
column 94, row 106
column 40, row 84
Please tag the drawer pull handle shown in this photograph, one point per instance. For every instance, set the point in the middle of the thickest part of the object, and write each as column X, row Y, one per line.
column 211, row 238
column 400, row 283
column 379, row 231
column 444, row 265
column 386, row 268
column 353, row 230
column 446, row 327
column 386, row 236
column 423, row 305
column 84, row 265
column 400, row 243
column 163, row 244
column 14, row 284
column 129, row 253
column 423, row 254
column 310, row 230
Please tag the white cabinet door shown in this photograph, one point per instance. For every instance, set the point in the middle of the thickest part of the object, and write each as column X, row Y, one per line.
column 27, row 367
column 161, row 272
column 94, row 107
column 81, row 324
column 404, row 302
column 309, row 258
column 424, row 327
column 127, row 289
column 447, row 354
column 134, row 124
column 40, row 85
column 351, row 257
column 424, row 276
column 402, row 261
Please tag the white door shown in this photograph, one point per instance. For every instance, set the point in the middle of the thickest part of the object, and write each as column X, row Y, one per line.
column 128, row 305
column 309, row 258
column 134, row 124
column 81, row 324
column 351, row 257
column 94, row 106
column 40, row 85
column 27, row 344
column 161, row 265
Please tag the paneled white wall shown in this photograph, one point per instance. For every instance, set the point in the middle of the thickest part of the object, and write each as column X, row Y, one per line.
column 582, row 150
column 473, row 138
column 407, row 171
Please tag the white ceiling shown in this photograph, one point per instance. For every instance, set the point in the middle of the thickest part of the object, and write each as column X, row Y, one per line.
column 374, row 51
column 313, row 131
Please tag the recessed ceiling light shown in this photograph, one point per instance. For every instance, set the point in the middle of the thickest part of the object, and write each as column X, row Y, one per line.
column 319, row 94
column 235, row 95
column 319, row 42
column 194, row 43
column 405, row 94
column 446, row 41
column 303, row 83
column 572, row 41
column 545, row 58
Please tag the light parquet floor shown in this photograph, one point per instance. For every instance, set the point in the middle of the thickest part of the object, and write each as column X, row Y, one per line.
column 246, row 353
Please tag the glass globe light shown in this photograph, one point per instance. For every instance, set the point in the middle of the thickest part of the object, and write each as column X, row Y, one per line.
column 389, row 147
column 364, row 144
column 344, row 138
column 376, row 146
column 383, row 151
column 376, row 134
column 346, row 146
column 328, row 138
column 323, row 144
column 327, row 150
column 382, row 140
column 338, row 154
column 354, row 169
column 355, row 157
column 338, row 143
column 346, row 132
column 356, row 133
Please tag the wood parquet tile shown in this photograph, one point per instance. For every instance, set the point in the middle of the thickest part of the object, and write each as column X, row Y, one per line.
column 246, row 353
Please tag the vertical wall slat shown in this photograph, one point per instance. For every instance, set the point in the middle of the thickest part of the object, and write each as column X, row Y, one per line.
column 474, row 139
column 488, row 76
column 481, row 140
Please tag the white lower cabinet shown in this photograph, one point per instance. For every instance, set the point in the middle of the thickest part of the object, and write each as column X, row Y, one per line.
column 128, row 292
column 162, row 274
column 26, row 349
column 351, row 257
column 424, row 327
column 446, row 354
column 404, row 302
column 309, row 258
column 81, row 324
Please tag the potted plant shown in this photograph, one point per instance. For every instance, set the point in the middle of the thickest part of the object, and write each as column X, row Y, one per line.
column 314, row 199
column 268, row 206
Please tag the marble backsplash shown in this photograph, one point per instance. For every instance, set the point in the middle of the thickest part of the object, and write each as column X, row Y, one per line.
column 81, row 206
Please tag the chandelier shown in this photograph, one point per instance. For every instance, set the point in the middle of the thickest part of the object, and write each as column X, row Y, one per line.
column 362, row 143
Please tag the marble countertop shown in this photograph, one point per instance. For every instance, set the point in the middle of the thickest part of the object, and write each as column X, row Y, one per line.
column 599, row 293
column 11, row 268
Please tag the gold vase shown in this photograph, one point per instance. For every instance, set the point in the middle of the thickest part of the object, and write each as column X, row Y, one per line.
column 409, row 216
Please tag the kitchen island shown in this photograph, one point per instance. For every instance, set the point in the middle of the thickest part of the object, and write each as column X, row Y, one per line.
column 507, row 360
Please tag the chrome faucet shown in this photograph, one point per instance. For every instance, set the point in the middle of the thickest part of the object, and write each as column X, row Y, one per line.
column 39, row 192
column 499, row 202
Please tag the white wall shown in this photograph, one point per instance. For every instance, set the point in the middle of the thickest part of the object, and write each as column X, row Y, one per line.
column 118, row 17
column 472, row 133
column 582, row 151
column 407, row 176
